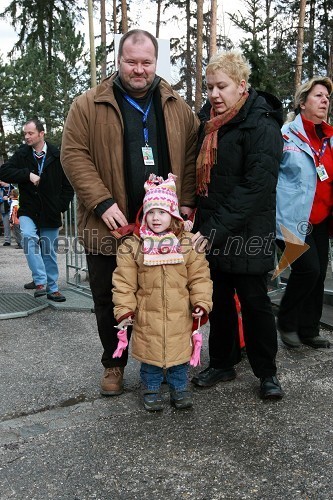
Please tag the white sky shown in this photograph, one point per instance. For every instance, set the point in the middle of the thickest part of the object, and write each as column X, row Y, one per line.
column 8, row 36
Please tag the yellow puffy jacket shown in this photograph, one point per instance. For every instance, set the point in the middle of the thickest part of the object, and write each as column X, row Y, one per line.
column 162, row 298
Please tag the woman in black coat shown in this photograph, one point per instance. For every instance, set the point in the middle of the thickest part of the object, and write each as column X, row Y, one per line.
column 240, row 148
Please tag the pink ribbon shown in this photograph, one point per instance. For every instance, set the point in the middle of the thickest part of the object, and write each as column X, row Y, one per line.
column 122, row 343
column 197, row 343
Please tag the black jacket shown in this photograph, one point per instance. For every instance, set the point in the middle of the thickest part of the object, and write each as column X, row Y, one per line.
column 45, row 202
column 238, row 215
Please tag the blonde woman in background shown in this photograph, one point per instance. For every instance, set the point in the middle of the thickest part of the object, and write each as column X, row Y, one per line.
column 304, row 206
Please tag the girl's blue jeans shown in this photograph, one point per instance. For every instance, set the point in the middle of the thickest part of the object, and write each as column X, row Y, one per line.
column 176, row 377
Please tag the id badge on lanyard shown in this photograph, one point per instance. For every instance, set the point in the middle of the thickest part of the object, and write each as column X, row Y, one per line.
column 321, row 171
column 147, row 154
column 147, row 151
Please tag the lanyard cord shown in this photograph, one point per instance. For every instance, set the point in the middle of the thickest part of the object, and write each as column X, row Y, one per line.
column 318, row 154
column 40, row 163
column 144, row 114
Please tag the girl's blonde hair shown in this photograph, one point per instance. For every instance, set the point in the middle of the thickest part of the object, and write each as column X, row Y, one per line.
column 176, row 225
column 233, row 63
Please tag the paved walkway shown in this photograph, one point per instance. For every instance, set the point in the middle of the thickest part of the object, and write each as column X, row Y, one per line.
column 59, row 439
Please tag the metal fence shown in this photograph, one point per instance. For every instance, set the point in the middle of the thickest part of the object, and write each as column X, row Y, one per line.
column 76, row 263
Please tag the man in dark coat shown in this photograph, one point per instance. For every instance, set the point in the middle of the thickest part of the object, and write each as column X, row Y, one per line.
column 45, row 193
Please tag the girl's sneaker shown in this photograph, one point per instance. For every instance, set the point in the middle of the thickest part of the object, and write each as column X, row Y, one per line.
column 152, row 401
column 181, row 399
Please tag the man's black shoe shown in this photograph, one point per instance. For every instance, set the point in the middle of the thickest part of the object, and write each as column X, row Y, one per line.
column 30, row 286
column 40, row 291
column 56, row 296
column 211, row 376
column 270, row 388
column 317, row 342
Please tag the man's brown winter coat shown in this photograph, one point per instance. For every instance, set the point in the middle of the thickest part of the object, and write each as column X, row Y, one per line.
column 162, row 298
column 92, row 155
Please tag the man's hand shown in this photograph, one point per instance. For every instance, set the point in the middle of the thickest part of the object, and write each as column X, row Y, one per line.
column 34, row 179
column 113, row 217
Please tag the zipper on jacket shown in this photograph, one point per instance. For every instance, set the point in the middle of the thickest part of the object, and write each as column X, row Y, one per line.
column 164, row 314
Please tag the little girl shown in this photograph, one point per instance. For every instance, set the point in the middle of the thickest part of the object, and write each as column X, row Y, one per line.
column 162, row 283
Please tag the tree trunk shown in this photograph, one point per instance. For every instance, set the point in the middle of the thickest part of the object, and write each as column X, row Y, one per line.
column 213, row 21
column 268, row 10
column 49, row 41
column 93, row 81
column 189, row 64
column 114, row 16
column 198, row 78
column 103, row 40
column 300, row 43
column 330, row 62
column 124, row 20
column 328, row 35
column 158, row 19
column 50, row 35
column 3, row 153
column 311, row 38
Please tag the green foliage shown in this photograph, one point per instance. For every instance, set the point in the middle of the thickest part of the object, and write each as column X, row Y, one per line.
column 251, row 20
column 251, row 23
column 34, row 21
column 273, row 70
column 254, row 53
column 36, row 85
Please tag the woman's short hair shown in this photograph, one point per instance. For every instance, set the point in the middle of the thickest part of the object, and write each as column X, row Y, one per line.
column 231, row 62
column 303, row 90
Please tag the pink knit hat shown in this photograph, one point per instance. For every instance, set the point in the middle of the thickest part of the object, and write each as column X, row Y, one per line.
column 161, row 194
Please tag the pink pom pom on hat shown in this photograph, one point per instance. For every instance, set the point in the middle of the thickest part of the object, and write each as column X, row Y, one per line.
column 161, row 194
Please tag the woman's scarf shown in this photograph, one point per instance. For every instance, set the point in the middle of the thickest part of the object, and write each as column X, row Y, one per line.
column 160, row 249
column 207, row 157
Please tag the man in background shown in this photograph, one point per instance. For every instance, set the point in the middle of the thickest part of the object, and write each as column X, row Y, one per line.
column 45, row 193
